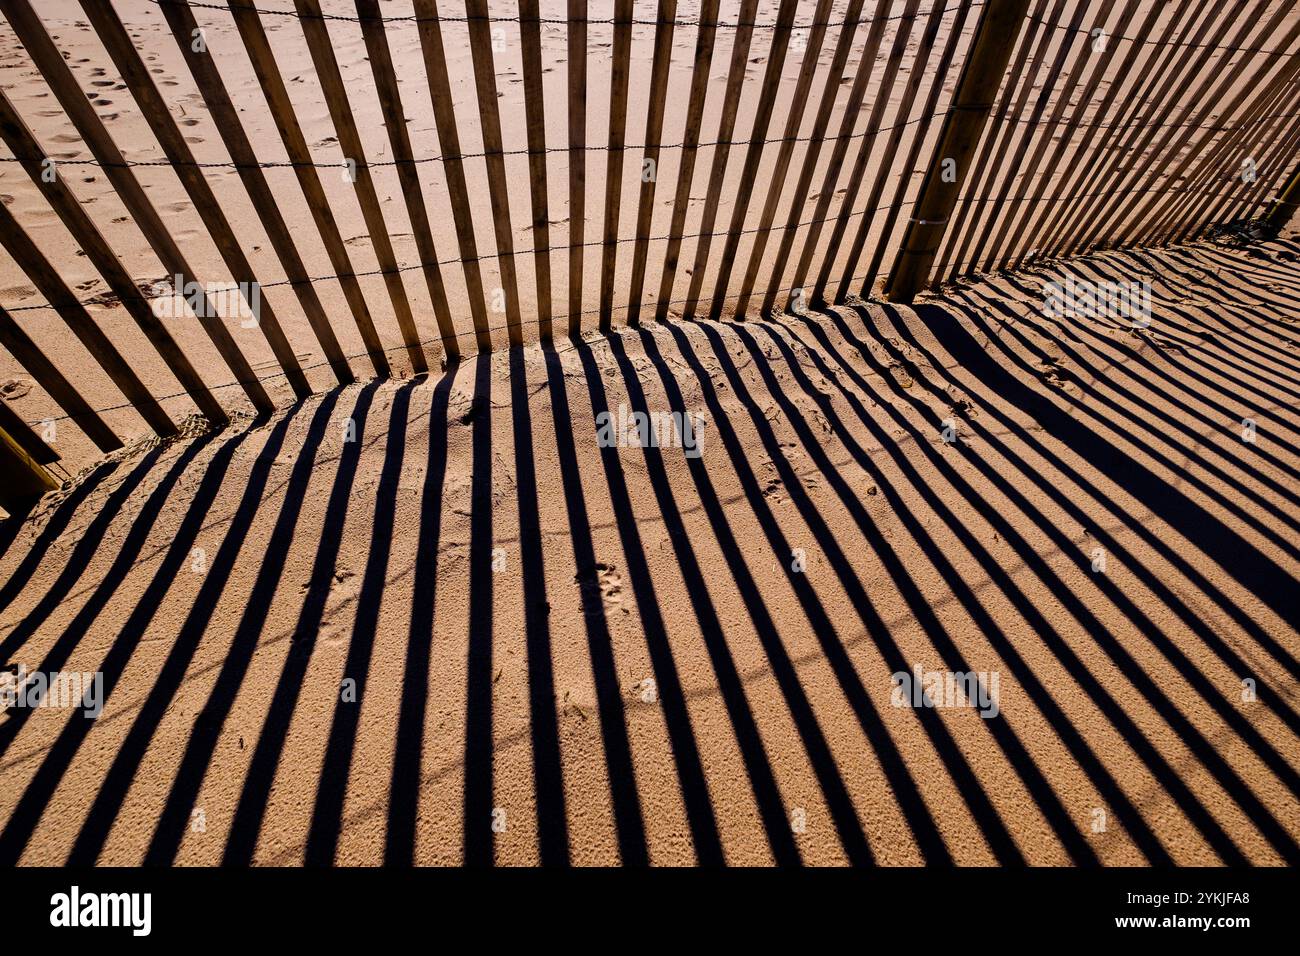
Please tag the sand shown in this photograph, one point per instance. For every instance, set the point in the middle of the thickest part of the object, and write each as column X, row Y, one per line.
column 432, row 620
column 563, row 652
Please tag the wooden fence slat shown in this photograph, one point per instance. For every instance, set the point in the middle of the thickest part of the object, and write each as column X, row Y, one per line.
column 138, row 80
column 1141, row 209
column 253, row 34
column 758, row 133
column 47, row 280
column 705, row 37
column 231, row 129
column 816, row 139
column 577, row 58
column 30, row 356
column 1020, row 134
column 718, row 170
column 660, row 62
column 839, row 152
column 530, row 37
column 35, row 162
column 906, row 24
column 59, row 76
column 1145, row 132
column 444, row 118
column 909, row 167
column 485, row 83
column 621, row 67
column 340, row 109
column 408, row 175
column 1004, row 243
column 1022, row 241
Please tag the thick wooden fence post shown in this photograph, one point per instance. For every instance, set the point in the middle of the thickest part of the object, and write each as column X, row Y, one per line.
column 972, row 102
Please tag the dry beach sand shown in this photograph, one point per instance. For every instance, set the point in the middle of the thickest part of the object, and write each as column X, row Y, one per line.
column 563, row 652
column 472, row 634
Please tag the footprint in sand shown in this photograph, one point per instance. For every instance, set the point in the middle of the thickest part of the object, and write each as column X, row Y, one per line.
column 608, row 580
column 1054, row 373
column 14, row 388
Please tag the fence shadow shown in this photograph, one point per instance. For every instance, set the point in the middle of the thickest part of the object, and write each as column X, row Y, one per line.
column 409, row 641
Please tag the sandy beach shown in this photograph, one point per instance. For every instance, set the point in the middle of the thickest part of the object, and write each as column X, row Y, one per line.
column 606, row 655
column 446, row 619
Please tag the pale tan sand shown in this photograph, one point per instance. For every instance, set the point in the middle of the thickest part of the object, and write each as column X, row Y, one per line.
column 1121, row 687
column 1120, row 692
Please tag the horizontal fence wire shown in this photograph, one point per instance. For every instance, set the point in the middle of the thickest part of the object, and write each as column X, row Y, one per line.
column 545, row 21
column 639, row 147
column 635, row 21
column 101, row 301
column 394, row 350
